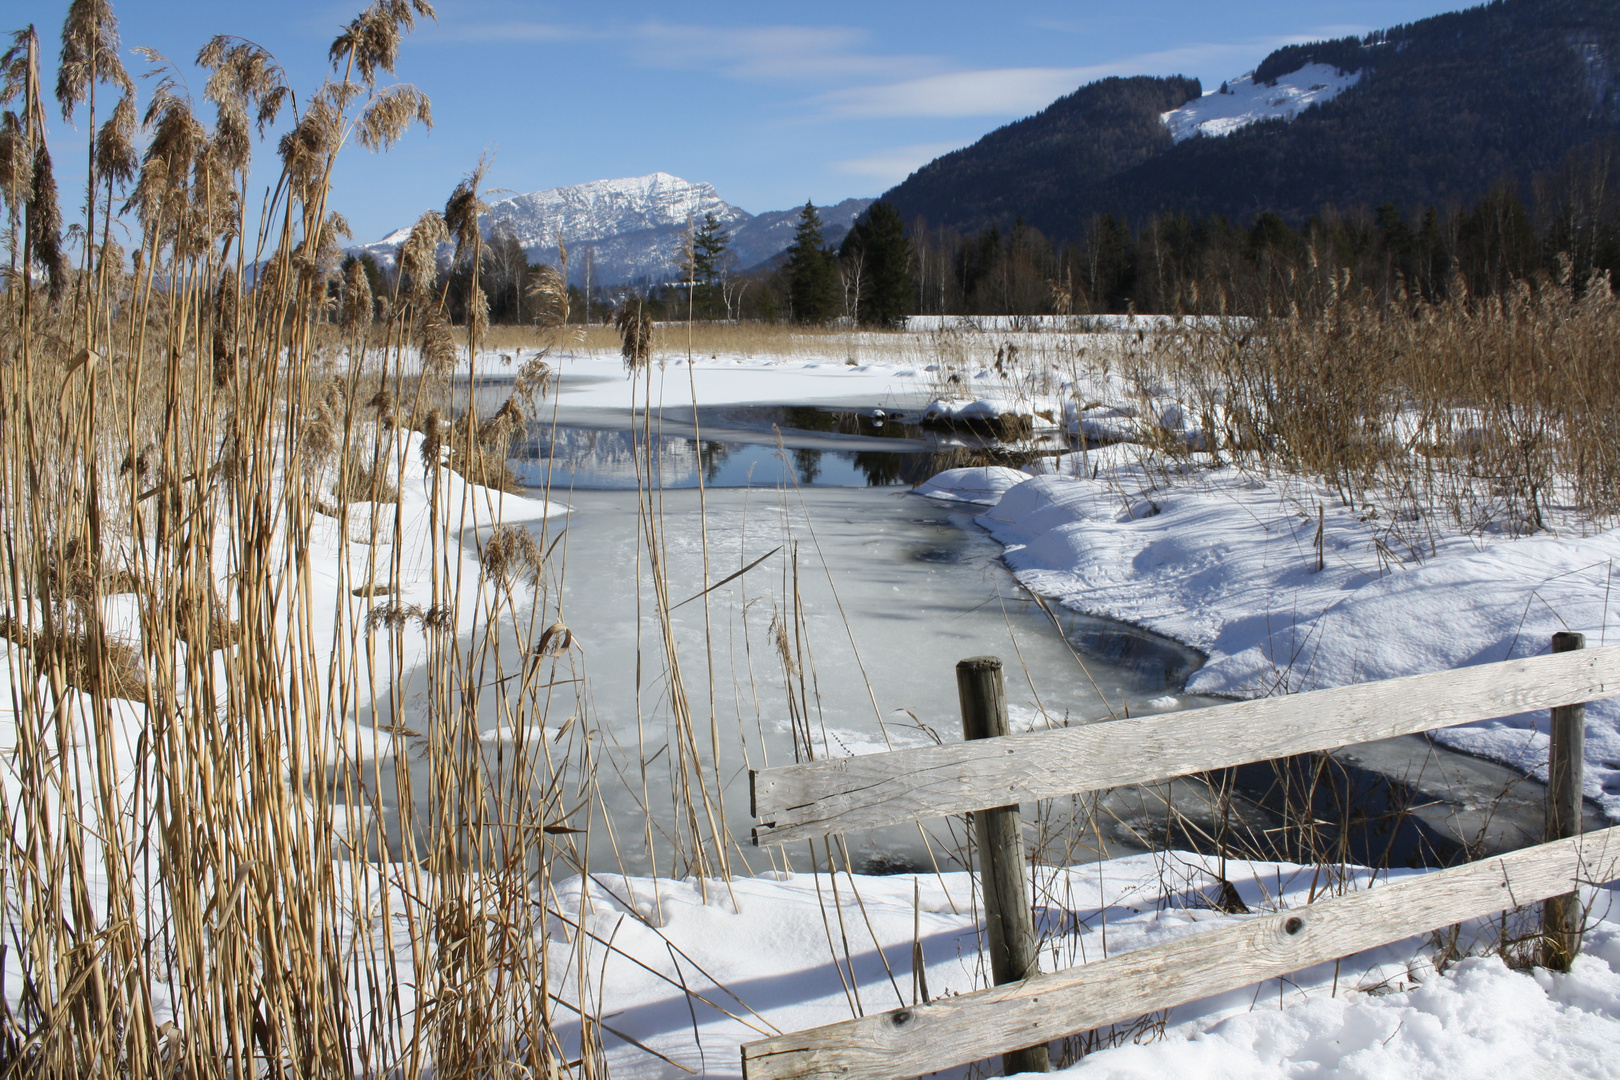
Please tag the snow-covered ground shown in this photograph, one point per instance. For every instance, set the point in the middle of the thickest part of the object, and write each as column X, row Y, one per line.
column 1228, row 564
column 1226, row 561
column 1246, row 102
column 778, row 952
column 1079, row 324
column 1218, row 558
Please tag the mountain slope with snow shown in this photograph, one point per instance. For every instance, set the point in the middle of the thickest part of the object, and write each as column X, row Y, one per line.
column 630, row 229
column 1241, row 102
column 1432, row 113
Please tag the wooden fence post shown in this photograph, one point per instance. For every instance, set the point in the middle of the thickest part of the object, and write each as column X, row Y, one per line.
column 1561, row 915
column 999, row 830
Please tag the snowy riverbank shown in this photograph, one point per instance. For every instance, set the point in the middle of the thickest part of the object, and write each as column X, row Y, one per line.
column 682, row 972
column 1228, row 563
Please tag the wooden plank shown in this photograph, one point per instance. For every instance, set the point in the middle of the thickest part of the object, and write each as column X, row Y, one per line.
column 971, row 1027
column 796, row 802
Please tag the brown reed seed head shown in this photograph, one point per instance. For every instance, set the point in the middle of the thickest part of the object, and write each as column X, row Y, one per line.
column 357, row 299
column 391, row 113
column 510, row 555
column 635, row 328
column 370, row 43
column 462, row 211
column 438, row 347
column 419, row 254
column 89, row 54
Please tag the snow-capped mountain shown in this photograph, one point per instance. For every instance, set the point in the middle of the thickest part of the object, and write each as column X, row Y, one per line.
column 630, row 229
column 1241, row 102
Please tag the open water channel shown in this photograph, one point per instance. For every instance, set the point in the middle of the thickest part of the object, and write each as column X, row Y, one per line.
column 843, row 637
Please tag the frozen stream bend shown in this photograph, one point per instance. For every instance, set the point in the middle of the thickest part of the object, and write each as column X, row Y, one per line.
column 892, row 590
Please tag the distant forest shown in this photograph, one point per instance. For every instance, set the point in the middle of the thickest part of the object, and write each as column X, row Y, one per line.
column 1566, row 228
column 1445, row 109
column 1562, row 228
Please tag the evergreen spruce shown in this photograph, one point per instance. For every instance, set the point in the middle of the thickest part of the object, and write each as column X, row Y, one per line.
column 705, row 263
column 811, row 279
column 879, row 240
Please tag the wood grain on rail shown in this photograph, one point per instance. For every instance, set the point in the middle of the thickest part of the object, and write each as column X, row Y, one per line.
column 978, row 1025
column 795, row 802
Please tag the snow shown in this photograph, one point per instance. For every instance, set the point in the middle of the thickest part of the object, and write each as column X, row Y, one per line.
column 1247, row 102
column 1226, row 560
column 1227, row 563
column 598, row 382
column 1480, row 1019
column 979, row 485
column 633, row 226
column 1220, row 558
column 768, row 950
column 1076, row 324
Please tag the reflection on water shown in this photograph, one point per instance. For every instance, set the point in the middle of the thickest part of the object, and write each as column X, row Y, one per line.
column 586, row 458
column 750, row 446
column 844, row 640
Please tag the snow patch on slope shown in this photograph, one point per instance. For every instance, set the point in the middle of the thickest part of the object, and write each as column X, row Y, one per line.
column 1246, row 101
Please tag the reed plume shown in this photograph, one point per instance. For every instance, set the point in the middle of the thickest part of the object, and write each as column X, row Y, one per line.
column 635, row 328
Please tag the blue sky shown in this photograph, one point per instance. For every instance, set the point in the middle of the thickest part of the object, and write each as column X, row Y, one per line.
column 772, row 103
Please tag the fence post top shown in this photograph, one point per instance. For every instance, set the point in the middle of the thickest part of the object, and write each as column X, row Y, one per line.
column 979, row 663
column 1568, row 641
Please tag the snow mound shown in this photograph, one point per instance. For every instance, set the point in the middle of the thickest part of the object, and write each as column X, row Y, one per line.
column 948, row 410
column 1562, row 1025
column 1284, row 600
column 1247, row 102
column 984, row 486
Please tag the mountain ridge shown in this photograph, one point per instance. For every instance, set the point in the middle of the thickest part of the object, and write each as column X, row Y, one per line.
column 631, row 227
column 1434, row 112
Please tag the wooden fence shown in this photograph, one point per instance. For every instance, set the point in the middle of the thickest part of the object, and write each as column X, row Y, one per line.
column 1026, row 1010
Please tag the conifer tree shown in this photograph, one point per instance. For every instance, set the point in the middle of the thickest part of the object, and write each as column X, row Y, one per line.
column 811, row 279
column 709, row 243
column 879, row 239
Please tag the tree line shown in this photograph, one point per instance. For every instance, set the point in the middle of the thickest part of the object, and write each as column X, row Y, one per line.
column 1565, row 229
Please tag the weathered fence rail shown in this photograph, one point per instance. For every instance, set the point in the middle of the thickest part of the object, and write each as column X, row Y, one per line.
column 802, row 801
column 796, row 802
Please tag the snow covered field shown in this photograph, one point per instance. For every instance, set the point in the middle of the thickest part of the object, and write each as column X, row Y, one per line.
column 768, row 952
column 1246, row 102
column 682, row 972
column 1228, row 562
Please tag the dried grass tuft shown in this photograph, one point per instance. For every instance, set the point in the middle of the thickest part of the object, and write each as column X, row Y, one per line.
column 438, row 348
column 390, row 115
column 511, row 555
column 556, row 640
column 85, row 661
column 635, row 328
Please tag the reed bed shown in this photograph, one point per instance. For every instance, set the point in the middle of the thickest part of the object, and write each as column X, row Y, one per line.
column 1489, row 416
column 304, row 747
column 219, row 865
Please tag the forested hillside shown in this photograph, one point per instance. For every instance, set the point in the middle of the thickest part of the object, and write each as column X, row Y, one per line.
column 1446, row 109
column 1036, row 167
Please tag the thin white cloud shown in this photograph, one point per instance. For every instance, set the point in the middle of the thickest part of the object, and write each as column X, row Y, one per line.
column 896, row 163
column 1000, row 92
column 512, row 31
column 771, row 53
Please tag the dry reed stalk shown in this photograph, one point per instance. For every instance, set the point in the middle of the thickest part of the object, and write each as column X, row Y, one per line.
column 220, row 887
